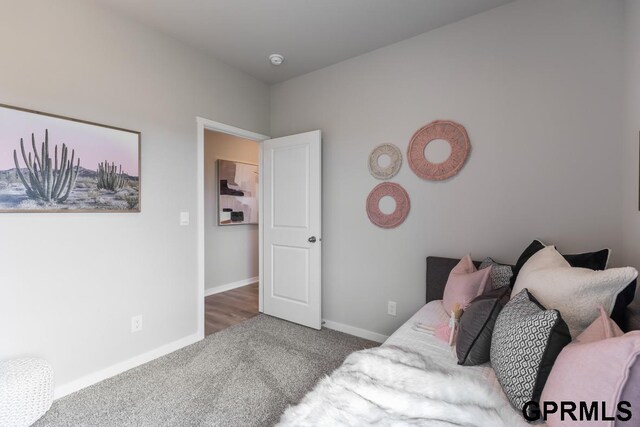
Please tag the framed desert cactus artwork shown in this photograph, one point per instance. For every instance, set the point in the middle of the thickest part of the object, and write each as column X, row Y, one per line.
column 51, row 163
column 237, row 193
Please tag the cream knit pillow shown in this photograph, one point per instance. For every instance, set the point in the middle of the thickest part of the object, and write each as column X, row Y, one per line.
column 575, row 292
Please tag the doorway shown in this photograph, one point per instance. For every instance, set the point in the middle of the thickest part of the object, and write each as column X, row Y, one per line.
column 289, row 229
column 231, row 229
column 228, row 225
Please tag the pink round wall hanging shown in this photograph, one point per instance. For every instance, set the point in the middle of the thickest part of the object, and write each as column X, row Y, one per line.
column 452, row 132
column 401, row 198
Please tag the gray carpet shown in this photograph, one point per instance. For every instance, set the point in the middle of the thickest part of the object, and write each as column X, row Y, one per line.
column 245, row 375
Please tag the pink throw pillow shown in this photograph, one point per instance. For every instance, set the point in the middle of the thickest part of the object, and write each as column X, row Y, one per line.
column 601, row 365
column 601, row 329
column 464, row 284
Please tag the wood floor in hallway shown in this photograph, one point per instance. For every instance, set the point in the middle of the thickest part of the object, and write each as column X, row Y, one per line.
column 228, row 308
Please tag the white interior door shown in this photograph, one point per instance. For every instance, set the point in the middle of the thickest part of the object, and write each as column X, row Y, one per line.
column 291, row 224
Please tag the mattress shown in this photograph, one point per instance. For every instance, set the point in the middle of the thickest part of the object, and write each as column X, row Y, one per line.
column 433, row 314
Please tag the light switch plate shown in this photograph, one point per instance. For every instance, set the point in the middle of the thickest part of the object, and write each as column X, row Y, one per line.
column 184, row 218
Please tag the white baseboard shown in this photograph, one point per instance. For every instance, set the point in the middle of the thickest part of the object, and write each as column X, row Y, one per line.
column 352, row 330
column 108, row 372
column 229, row 286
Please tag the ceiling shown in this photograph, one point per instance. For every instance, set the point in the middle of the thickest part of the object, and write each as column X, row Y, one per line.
column 311, row 34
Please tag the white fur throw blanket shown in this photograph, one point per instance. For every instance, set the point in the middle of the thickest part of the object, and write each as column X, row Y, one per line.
column 392, row 386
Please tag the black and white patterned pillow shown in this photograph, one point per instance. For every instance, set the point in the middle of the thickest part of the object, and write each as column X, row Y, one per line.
column 525, row 344
column 500, row 274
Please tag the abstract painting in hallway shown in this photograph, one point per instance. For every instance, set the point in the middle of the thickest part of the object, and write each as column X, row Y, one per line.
column 237, row 193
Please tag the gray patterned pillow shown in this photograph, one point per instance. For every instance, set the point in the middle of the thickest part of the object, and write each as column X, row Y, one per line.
column 500, row 274
column 526, row 342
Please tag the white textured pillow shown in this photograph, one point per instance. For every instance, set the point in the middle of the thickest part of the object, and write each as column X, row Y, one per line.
column 575, row 292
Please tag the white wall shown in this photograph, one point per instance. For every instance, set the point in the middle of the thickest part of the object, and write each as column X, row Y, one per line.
column 231, row 252
column 69, row 283
column 631, row 215
column 538, row 86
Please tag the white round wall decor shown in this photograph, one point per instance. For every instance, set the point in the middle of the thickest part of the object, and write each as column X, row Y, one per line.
column 389, row 171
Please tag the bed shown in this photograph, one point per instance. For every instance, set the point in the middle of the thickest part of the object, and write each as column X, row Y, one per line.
column 413, row 378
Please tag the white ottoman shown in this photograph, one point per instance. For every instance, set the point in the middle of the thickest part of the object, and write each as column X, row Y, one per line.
column 26, row 391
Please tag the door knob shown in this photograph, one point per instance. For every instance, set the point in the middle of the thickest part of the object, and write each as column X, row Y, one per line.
column 312, row 239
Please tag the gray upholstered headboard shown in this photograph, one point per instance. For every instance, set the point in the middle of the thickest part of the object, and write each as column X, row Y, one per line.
column 438, row 269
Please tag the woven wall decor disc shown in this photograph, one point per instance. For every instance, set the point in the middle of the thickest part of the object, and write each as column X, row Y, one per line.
column 387, row 172
column 455, row 134
column 403, row 204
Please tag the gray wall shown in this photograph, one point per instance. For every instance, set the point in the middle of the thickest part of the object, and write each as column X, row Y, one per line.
column 69, row 283
column 538, row 86
column 231, row 252
column 631, row 217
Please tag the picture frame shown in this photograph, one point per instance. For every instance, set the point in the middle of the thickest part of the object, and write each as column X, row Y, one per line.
column 237, row 184
column 55, row 164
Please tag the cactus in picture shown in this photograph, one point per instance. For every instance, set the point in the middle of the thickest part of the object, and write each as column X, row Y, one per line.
column 110, row 177
column 46, row 179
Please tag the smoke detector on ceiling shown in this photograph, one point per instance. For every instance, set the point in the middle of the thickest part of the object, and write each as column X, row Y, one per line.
column 276, row 58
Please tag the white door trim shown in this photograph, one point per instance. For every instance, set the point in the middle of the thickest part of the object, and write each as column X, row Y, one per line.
column 203, row 124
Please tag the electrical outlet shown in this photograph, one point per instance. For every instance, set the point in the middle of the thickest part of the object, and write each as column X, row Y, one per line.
column 391, row 308
column 136, row 323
